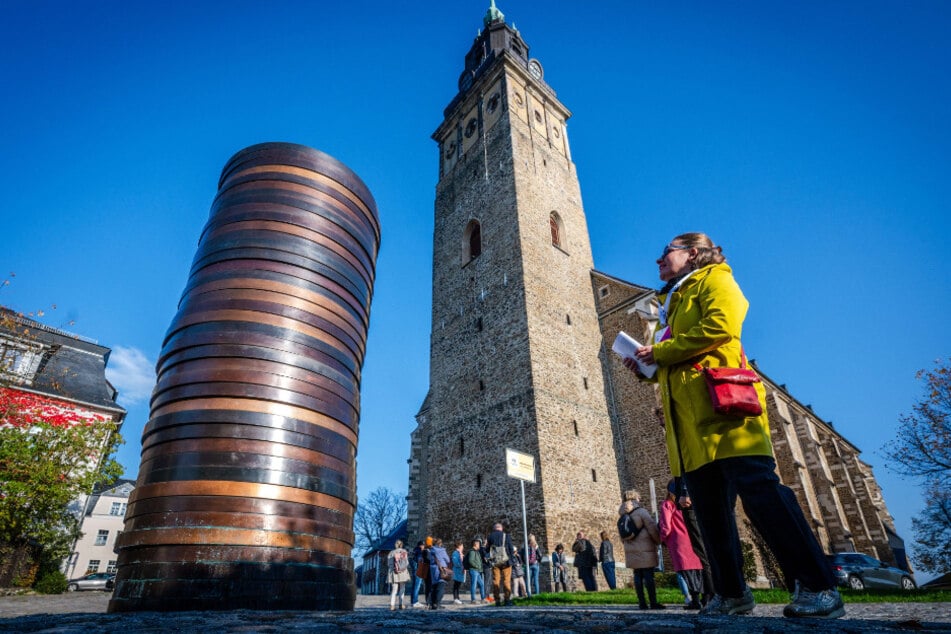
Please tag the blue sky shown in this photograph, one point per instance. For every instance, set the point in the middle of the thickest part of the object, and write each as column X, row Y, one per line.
column 810, row 139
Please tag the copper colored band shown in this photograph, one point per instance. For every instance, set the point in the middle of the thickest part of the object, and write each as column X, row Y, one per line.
column 232, row 537
column 261, row 407
column 240, row 489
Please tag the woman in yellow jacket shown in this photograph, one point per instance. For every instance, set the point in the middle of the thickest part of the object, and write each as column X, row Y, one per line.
column 722, row 456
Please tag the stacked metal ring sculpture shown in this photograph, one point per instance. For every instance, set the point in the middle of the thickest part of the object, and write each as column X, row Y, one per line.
column 247, row 485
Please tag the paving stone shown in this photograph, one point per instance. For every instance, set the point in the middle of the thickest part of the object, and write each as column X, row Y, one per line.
column 83, row 613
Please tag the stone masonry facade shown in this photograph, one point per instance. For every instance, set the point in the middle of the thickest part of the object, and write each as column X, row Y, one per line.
column 520, row 346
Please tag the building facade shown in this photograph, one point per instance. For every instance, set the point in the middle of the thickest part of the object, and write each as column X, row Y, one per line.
column 515, row 338
column 520, row 345
column 101, row 525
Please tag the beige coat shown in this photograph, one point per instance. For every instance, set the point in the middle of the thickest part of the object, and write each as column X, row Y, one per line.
column 641, row 552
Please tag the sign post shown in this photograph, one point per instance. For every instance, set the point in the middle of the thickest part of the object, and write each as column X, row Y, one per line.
column 521, row 466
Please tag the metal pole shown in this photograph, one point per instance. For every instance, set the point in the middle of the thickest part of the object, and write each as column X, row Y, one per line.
column 660, row 552
column 525, row 543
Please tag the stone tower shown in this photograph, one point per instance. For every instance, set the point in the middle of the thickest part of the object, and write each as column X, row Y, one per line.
column 515, row 342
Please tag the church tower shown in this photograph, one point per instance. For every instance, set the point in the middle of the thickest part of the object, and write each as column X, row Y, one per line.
column 515, row 344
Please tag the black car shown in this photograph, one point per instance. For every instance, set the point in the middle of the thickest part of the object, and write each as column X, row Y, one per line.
column 93, row 581
column 858, row 571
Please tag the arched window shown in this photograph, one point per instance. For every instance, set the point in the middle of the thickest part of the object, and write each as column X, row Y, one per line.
column 472, row 241
column 554, row 221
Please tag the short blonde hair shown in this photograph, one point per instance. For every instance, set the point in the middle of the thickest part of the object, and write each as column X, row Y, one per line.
column 632, row 494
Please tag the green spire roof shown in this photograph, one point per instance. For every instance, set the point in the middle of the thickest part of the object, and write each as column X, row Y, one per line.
column 492, row 14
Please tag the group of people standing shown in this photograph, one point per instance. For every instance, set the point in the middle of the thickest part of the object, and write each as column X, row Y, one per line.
column 430, row 568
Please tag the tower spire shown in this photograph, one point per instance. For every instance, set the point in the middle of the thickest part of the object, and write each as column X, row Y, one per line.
column 492, row 14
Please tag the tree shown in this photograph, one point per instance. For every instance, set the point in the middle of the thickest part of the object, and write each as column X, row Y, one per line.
column 49, row 456
column 922, row 450
column 377, row 517
column 52, row 452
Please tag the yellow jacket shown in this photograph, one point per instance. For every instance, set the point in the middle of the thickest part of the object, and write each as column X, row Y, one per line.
column 706, row 319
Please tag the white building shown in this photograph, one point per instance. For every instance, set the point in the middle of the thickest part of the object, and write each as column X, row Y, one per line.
column 101, row 525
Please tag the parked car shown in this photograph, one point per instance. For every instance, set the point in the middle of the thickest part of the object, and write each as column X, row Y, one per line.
column 93, row 581
column 858, row 571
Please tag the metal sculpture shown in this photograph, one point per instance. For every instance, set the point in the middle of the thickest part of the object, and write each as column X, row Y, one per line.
column 246, row 490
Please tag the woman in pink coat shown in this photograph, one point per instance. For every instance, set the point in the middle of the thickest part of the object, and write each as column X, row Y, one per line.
column 673, row 534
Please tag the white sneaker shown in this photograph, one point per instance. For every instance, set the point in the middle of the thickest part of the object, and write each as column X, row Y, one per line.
column 418, row 605
column 457, row 601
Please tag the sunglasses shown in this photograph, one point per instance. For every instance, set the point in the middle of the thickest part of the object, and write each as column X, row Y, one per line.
column 673, row 247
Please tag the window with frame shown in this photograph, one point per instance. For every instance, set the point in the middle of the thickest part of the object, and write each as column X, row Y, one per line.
column 118, row 508
column 19, row 361
column 92, row 566
column 102, row 537
column 557, row 233
column 112, row 566
column 472, row 241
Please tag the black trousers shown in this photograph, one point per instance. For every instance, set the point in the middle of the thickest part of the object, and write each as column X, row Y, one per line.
column 774, row 512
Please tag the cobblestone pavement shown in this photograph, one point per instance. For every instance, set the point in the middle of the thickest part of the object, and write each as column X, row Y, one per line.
column 86, row 612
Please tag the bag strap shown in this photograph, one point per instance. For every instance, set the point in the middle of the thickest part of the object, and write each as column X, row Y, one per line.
column 700, row 368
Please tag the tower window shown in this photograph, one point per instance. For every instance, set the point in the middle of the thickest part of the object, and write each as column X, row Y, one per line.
column 538, row 116
column 494, row 101
column 462, row 446
column 575, row 424
column 568, row 319
column 604, row 291
column 471, row 127
column 594, row 475
column 478, row 325
column 554, row 223
column 481, row 385
column 472, row 241
column 478, row 480
column 585, row 381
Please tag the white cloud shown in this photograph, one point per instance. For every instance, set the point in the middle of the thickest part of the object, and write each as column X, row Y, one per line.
column 132, row 374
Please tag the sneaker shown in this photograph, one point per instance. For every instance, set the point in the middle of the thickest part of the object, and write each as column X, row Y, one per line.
column 418, row 605
column 825, row 604
column 719, row 606
column 457, row 601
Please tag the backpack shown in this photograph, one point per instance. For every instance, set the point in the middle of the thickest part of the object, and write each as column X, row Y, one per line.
column 399, row 561
column 499, row 555
column 626, row 527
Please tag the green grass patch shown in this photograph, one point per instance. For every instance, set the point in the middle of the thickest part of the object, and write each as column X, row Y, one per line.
column 773, row 595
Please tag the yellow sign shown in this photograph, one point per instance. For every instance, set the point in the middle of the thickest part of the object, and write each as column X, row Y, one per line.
column 519, row 465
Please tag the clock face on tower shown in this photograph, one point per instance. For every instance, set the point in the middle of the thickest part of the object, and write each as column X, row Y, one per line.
column 535, row 68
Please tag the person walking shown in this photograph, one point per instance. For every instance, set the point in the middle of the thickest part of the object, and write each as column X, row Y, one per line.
column 638, row 531
column 398, row 575
column 722, row 455
column 673, row 534
column 606, row 557
column 458, row 572
column 534, row 564
column 476, row 567
column 559, row 568
column 585, row 561
column 500, row 554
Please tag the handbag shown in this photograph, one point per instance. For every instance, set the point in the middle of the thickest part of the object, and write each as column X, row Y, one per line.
column 422, row 569
column 445, row 573
column 732, row 390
